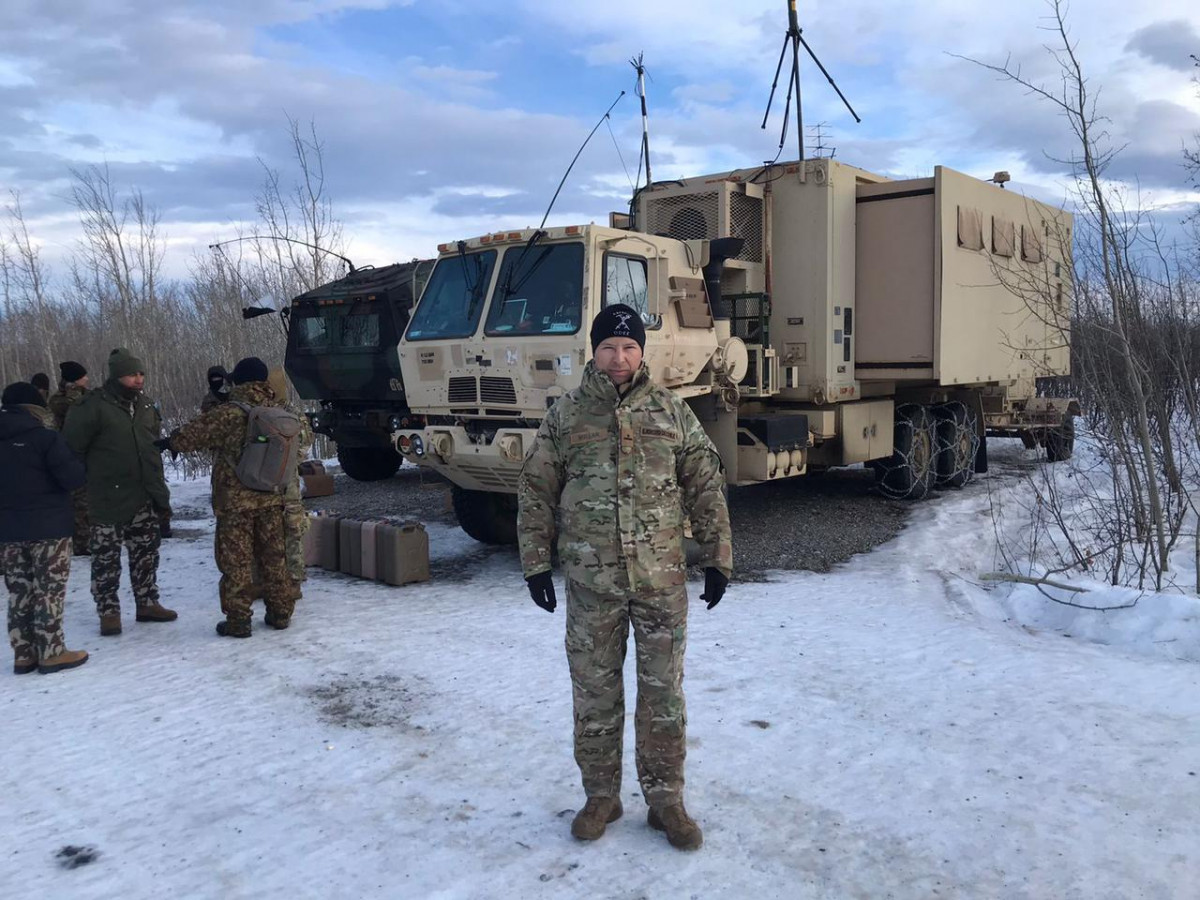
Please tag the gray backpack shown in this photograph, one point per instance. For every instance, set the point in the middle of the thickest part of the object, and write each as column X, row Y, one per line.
column 271, row 453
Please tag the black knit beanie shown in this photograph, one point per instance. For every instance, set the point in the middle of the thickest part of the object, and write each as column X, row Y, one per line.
column 21, row 393
column 250, row 369
column 71, row 371
column 620, row 321
column 41, row 381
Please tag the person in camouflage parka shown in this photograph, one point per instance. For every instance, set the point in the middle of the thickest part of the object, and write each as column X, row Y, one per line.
column 250, row 523
column 616, row 466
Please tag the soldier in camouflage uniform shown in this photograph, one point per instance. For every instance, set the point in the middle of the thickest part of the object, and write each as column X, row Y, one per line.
column 71, row 389
column 37, row 473
column 616, row 466
column 113, row 430
column 250, row 523
column 218, row 388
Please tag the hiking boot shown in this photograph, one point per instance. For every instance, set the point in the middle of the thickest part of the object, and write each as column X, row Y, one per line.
column 591, row 821
column 110, row 624
column 681, row 829
column 233, row 629
column 155, row 612
column 277, row 622
column 24, row 665
column 68, row 659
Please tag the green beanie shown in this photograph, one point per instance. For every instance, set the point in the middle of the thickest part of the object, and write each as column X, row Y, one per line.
column 121, row 363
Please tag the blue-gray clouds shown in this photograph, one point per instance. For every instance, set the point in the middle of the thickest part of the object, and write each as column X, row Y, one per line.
column 443, row 120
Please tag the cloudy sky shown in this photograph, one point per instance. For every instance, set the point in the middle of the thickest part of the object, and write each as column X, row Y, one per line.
column 444, row 119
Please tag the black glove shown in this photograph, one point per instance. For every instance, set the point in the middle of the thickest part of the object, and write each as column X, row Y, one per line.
column 714, row 586
column 541, row 589
column 164, row 446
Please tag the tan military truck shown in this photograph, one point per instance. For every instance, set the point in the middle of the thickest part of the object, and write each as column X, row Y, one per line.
column 813, row 315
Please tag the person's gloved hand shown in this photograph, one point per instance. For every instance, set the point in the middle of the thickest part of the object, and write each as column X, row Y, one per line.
column 164, row 446
column 541, row 589
column 715, row 583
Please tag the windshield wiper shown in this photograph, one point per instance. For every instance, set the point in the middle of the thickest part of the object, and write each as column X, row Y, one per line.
column 508, row 288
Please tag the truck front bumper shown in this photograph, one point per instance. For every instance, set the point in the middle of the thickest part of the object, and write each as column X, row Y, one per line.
column 469, row 461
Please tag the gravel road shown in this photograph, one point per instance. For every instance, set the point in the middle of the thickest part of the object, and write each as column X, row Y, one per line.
column 809, row 523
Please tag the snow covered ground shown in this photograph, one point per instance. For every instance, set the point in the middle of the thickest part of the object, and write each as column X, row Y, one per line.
column 892, row 729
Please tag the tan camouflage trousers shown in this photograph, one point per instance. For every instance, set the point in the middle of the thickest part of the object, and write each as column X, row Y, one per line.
column 142, row 540
column 82, row 539
column 597, row 635
column 35, row 573
column 246, row 542
column 295, row 524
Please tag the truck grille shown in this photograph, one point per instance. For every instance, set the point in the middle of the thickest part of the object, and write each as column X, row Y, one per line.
column 462, row 390
column 499, row 391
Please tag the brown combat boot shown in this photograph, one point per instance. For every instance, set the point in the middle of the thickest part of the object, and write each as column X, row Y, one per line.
column 682, row 831
column 110, row 624
column 68, row 659
column 591, row 821
column 276, row 621
column 155, row 612
column 23, row 665
column 233, row 629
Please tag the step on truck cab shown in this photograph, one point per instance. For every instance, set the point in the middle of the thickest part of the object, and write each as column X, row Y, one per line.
column 812, row 314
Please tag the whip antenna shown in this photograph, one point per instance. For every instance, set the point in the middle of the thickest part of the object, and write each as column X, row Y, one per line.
column 640, row 67
column 576, row 159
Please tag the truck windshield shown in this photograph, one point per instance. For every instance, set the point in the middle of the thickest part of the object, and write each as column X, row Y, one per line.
column 318, row 331
column 452, row 301
column 539, row 291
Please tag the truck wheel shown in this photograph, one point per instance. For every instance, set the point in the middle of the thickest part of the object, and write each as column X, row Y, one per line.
column 1060, row 442
column 908, row 474
column 489, row 518
column 368, row 463
column 957, row 444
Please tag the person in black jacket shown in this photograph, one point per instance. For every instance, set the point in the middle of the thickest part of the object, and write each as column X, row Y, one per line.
column 38, row 471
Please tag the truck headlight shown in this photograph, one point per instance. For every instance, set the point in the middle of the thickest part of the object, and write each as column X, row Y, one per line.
column 418, row 445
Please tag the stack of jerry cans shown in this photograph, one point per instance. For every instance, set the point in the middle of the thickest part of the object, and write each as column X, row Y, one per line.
column 393, row 554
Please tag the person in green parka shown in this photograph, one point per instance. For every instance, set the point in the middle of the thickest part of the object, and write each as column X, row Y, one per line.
column 113, row 430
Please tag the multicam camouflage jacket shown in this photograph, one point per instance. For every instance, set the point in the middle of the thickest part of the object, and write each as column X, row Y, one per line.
column 223, row 429
column 622, row 472
column 62, row 400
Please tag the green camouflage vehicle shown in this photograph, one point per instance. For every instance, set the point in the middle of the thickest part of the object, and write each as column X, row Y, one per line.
column 342, row 351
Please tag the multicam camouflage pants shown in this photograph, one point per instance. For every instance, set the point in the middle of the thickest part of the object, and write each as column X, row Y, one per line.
column 597, row 634
column 36, row 575
column 247, row 541
column 142, row 539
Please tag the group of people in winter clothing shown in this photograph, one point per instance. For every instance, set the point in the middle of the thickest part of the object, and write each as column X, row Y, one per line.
column 82, row 470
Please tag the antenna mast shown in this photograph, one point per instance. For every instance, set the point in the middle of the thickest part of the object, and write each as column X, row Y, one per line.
column 794, row 40
column 638, row 64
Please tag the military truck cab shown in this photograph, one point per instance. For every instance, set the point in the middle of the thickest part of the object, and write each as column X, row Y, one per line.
column 342, row 351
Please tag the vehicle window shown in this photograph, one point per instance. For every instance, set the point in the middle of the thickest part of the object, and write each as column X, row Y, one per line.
column 539, row 291
column 625, row 282
column 453, row 299
column 312, row 332
column 360, row 330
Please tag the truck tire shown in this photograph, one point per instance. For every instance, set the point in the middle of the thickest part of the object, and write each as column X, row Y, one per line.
column 957, row 443
column 489, row 518
column 368, row 463
column 908, row 474
column 1060, row 442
